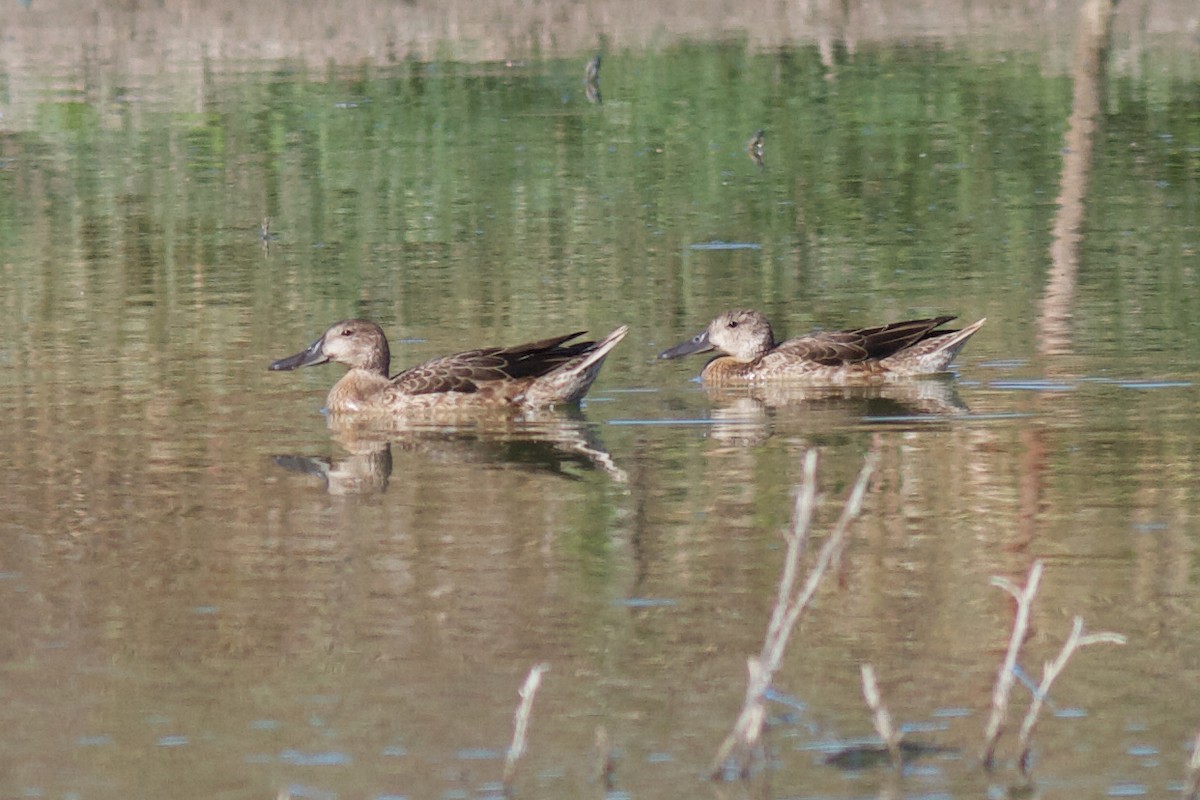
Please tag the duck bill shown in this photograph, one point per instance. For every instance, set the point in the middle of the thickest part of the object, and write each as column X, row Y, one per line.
column 308, row 357
column 697, row 344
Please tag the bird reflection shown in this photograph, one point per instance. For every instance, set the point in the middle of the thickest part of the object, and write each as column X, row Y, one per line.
column 365, row 472
column 754, row 147
column 591, row 80
column 265, row 237
column 552, row 442
column 750, row 415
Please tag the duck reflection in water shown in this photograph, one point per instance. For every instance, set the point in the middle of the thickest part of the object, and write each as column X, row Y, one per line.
column 364, row 471
column 558, row 443
column 746, row 415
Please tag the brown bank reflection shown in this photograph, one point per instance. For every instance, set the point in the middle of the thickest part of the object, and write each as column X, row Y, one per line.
column 553, row 442
column 1057, row 305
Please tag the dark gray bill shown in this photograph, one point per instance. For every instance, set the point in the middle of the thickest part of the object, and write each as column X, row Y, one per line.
column 697, row 344
column 308, row 357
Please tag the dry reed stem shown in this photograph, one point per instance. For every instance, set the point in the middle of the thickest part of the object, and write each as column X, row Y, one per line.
column 880, row 715
column 1004, row 678
column 743, row 744
column 1191, row 789
column 1050, row 672
column 521, row 723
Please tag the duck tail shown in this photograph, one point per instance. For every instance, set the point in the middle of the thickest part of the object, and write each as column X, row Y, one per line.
column 595, row 356
column 570, row 382
column 948, row 344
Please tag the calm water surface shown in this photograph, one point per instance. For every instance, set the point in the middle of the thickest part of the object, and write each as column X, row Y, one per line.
column 209, row 595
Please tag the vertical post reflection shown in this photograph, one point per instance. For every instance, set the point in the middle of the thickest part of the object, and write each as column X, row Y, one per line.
column 1095, row 19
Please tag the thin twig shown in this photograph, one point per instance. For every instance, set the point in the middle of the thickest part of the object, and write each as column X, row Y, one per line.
column 743, row 744
column 1050, row 672
column 1004, row 678
column 521, row 723
column 879, row 712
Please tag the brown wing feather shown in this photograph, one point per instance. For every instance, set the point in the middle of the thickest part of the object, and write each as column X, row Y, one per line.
column 536, row 359
column 465, row 372
column 544, row 345
column 433, row 377
column 836, row 348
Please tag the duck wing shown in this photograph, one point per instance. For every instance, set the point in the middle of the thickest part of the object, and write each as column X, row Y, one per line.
column 468, row 371
column 838, row 348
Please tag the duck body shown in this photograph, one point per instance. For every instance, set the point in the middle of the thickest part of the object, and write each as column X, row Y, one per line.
column 541, row 374
column 860, row 357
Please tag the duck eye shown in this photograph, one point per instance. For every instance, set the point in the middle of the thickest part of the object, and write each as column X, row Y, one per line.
column 733, row 323
column 347, row 332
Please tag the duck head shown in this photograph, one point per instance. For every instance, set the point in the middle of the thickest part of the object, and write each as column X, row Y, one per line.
column 357, row 343
column 743, row 334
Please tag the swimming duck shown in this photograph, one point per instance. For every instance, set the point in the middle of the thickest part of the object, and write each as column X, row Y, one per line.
column 837, row 358
column 533, row 375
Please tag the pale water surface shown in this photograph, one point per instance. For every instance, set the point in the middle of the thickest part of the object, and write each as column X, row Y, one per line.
column 209, row 595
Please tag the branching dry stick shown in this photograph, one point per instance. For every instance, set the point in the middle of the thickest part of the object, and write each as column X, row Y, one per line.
column 747, row 730
column 1191, row 790
column 1050, row 672
column 796, row 539
column 743, row 744
column 772, row 652
column 879, row 712
column 746, row 737
column 1004, row 678
column 521, row 723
